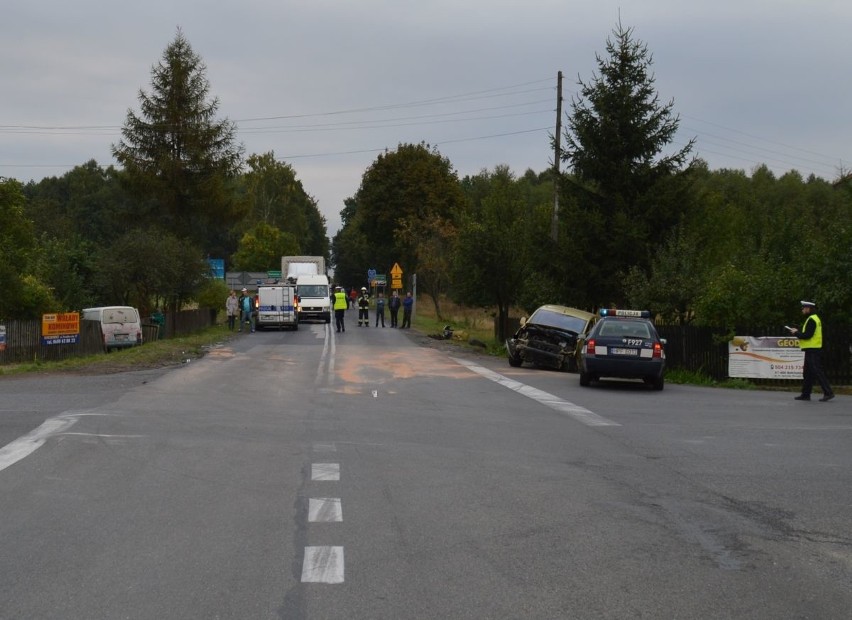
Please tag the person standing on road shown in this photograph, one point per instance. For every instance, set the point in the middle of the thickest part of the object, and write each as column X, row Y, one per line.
column 810, row 341
column 364, row 308
column 353, row 296
column 394, row 303
column 380, row 309
column 341, row 303
column 232, row 309
column 407, row 305
column 246, row 303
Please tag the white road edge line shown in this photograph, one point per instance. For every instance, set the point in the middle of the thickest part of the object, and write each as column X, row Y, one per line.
column 23, row 446
column 581, row 414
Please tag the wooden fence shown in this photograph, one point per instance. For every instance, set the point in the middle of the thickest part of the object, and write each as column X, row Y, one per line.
column 697, row 349
column 24, row 345
column 705, row 350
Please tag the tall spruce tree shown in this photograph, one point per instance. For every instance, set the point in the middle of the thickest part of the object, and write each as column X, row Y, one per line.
column 616, row 135
column 178, row 159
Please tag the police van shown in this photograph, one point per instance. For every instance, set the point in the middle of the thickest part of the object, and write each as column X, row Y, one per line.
column 277, row 306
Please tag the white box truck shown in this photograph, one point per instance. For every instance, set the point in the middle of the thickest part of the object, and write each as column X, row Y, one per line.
column 294, row 266
column 312, row 286
column 277, row 307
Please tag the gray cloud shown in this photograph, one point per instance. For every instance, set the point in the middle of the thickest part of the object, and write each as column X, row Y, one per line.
column 755, row 81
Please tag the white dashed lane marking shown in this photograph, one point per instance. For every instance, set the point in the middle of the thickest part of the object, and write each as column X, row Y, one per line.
column 325, row 510
column 325, row 471
column 323, row 565
column 581, row 414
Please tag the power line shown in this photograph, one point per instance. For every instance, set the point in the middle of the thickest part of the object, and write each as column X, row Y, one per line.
column 436, row 143
column 752, row 146
column 385, row 124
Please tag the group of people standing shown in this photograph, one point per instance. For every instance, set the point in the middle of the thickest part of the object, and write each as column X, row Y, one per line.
column 341, row 303
column 241, row 309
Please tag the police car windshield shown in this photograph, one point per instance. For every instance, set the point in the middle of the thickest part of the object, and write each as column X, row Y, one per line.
column 548, row 318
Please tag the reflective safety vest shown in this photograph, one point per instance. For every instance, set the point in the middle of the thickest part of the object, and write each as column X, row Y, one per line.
column 816, row 341
column 340, row 300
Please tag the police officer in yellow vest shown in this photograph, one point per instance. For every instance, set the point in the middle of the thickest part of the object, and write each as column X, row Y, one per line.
column 340, row 305
column 810, row 341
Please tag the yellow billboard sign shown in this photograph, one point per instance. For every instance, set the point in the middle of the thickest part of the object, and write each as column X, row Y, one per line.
column 60, row 328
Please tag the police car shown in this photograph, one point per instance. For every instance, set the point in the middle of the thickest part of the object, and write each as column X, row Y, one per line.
column 623, row 344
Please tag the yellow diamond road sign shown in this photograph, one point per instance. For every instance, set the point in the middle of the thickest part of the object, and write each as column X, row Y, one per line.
column 396, row 276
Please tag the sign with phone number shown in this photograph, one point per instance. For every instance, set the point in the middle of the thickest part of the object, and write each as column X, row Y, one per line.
column 769, row 357
column 60, row 328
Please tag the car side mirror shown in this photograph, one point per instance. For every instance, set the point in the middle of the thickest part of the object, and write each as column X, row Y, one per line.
column 523, row 321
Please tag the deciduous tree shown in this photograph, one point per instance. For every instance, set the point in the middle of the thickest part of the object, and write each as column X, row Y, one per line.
column 262, row 247
column 492, row 256
column 17, row 244
column 276, row 197
column 413, row 183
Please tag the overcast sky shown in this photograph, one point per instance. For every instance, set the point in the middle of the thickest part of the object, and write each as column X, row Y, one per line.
column 328, row 84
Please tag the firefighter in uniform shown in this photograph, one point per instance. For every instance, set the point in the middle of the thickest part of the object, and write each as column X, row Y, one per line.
column 340, row 306
column 810, row 341
column 364, row 308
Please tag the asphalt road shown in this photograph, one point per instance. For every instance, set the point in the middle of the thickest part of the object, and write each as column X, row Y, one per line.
column 314, row 475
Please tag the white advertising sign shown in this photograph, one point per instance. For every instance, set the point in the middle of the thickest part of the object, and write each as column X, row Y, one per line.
column 769, row 357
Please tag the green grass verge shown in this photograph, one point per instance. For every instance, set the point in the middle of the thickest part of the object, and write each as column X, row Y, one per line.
column 150, row 355
column 464, row 332
column 689, row 377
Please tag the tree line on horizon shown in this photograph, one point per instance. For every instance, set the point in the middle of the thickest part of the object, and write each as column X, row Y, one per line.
column 638, row 225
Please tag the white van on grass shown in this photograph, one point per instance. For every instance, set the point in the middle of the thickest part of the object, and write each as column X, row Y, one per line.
column 120, row 325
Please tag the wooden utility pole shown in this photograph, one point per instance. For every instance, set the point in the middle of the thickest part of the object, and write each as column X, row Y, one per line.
column 557, row 155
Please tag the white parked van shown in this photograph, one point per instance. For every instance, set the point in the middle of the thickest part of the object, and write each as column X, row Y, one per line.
column 314, row 298
column 120, row 325
column 276, row 307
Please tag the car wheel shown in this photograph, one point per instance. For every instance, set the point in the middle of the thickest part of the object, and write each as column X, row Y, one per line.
column 658, row 383
column 585, row 379
column 569, row 364
column 515, row 361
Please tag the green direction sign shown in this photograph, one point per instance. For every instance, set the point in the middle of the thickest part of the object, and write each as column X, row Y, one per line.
column 273, row 274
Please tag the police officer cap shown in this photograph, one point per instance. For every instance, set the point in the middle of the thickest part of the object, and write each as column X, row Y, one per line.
column 808, row 304
column 363, row 288
column 245, row 290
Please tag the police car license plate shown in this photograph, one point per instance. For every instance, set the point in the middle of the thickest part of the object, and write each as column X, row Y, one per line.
column 619, row 351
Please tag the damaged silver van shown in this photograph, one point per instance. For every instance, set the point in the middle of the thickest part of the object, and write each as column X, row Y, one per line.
column 120, row 325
